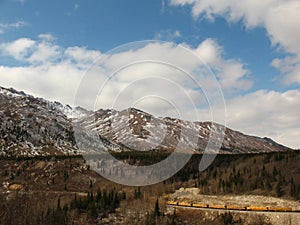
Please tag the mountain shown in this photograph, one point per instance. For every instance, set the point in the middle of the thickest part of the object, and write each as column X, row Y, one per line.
column 35, row 126
column 136, row 129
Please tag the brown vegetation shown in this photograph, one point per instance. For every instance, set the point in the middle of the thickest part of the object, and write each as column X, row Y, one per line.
column 49, row 186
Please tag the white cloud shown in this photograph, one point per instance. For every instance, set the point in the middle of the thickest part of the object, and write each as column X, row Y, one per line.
column 7, row 26
column 54, row 72
column 18, row 49
column 282, row 23
column 81, row 55
column 265, row 114
column 290, row 67
column 51, row 71
column 277, row 113
column 44, row 52
column 167, row 35
column 47, row 37
column 17, row 24
column 280, row 18
column 32, row 51
column 253, row 12
column 54, row 82
column 50, row 65
column 231, row 73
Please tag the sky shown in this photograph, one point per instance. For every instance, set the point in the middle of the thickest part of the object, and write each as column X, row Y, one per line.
column 250, row 50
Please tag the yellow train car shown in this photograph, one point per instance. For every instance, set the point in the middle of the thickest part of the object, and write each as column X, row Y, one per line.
column 217, row 206
column 235, row 207
column 166, row 197
column 257, row 208
column 197, row 205
column 280, row 209
column 171, row 203
column 185, row 204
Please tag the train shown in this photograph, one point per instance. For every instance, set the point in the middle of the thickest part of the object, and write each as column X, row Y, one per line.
column 233, row 207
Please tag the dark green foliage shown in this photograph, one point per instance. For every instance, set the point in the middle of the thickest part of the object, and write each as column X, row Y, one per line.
column 227, row 218
column 174, row 220
column 147, row 158
column 97, row 205
column 39, row 158
column 279, row 191
column 294, row 189
column 58, row 208
column 137, row 193
column 123, row 195
column 237, row 174
column 156, row 209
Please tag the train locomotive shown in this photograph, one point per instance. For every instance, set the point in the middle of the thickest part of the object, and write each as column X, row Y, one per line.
column 232, row 207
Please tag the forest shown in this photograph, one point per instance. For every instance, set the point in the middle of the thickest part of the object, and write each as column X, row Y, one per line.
column 64, row 190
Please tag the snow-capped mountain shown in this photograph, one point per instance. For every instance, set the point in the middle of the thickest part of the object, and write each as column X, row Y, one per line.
column 35, row 126
column 135, row 129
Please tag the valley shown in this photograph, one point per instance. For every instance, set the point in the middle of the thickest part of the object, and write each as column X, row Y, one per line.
column 46, row 177
column 32, row 186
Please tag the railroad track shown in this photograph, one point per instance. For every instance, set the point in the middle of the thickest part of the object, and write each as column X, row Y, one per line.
column 232, row 207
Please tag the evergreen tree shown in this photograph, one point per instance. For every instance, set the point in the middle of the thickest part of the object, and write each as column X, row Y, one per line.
column 279, row 191
column 156, row 209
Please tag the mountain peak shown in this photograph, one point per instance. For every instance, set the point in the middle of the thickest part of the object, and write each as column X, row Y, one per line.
column 34, row 126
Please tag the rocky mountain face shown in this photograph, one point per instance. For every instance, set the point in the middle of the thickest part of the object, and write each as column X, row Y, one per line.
column 135, row 129
column 34, row 126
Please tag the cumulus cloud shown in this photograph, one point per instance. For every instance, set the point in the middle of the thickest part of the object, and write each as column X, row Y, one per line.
column 31, row 51
column 277, row 113
column 264, row 113
column 54, row 72
column 48, row 70
column 251, row 11
column 280, row 18
column 18, row 49
column 161, row 78
column 232, row 74
column 81, row 55
column 290, row 67
column 44, row 52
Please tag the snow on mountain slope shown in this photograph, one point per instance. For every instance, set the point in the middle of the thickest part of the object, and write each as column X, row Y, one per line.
column 138, row 130
column 34, row 126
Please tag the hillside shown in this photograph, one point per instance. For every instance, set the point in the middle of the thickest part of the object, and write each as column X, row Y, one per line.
column 35, row 126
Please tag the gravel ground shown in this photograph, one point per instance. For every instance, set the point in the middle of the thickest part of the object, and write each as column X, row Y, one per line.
column 191, row 195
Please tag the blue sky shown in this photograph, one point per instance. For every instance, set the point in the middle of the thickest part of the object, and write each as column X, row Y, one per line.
column 255, row 42
column 103, row 25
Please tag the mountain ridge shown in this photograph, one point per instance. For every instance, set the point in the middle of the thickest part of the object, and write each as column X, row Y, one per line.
column 35, row 126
